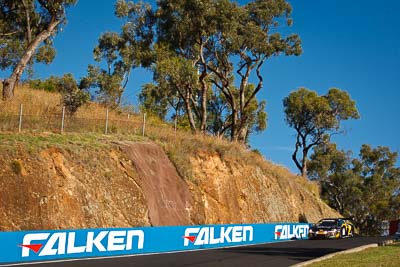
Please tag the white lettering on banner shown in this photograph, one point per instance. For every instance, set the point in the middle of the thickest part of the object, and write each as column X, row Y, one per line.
column 64, row 243
column 49, row 249
column 291, row 231
column 71, row 245
column 91, row 240
column 207, row 235
column 28, row 239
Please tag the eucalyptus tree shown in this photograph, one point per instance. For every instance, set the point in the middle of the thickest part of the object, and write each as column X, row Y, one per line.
column 26, row 28
column 201, row 49
column 213, row 35
column 249, row 33
column 121, row 52
column 381, row 186
column 186, row 28
column 340, row 186
column 366, row 188
column 315, row 118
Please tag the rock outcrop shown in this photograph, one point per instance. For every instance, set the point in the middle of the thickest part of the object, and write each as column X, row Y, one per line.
column 135, row 184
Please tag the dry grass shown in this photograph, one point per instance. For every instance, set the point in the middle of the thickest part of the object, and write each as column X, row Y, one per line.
column 40, row 102
column 35, row 102
column 43, row 112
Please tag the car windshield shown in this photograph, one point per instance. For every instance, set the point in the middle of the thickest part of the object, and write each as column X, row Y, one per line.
column 327, row 223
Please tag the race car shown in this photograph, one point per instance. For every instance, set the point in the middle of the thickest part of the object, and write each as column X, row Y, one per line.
column 332, row 228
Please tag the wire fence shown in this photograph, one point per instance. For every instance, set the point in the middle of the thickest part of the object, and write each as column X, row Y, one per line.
column 62, row 123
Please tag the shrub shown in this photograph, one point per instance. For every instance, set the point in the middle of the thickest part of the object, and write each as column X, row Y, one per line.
column 16, row 167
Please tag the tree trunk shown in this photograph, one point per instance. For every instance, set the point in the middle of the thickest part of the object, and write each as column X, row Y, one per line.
column 189, row 112
column 10, row 83
column 243, row 133
column 204, row 90
column 234, row 123
column 304, row 163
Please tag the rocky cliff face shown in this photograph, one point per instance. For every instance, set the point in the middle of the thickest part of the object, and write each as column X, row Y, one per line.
column 235, row 192
column 135, row 184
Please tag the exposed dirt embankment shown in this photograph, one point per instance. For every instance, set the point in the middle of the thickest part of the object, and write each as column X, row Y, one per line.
column 168, row 197
column 57, row 189
column 234, row 192
column 124, row 184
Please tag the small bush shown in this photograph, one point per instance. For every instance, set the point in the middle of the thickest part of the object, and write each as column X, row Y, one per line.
column 16, row 167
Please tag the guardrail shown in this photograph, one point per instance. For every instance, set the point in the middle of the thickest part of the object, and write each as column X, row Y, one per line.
column 16, row 247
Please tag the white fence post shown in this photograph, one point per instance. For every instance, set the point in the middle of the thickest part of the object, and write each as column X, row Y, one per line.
column 20, row 118
column 175, row 123
column 106, row 131
column 62, row 120
column 144, row 124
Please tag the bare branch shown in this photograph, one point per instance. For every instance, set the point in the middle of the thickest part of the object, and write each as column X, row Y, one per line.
column 260, row 82
column 9, row 33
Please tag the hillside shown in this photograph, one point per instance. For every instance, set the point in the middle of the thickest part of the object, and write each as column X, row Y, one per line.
column 86, row 180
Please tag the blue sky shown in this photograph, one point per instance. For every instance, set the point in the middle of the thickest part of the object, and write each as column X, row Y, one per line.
column 351, row 45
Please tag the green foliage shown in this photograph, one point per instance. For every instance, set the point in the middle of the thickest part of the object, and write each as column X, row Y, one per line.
column 26, row 28
column 153, row 101
column 196, row 50
column 365, row 188
column 220, row 119
column 50, row 85
column 45, row 53
column 109, row 88
column 315, row 118
column 121, row 52
column 215, row 34
column 16, row 167
column 73, row 96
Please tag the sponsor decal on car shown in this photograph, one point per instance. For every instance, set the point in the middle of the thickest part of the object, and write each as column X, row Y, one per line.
column 222, row 235
column 286, row 231
column 64, row 243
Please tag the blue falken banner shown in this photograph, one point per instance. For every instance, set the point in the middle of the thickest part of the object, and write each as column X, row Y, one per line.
column 87, row 243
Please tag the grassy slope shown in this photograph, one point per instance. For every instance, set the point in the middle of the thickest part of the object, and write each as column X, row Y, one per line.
column 388, row 256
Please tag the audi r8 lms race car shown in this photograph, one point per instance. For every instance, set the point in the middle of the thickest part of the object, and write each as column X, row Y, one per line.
column 332, row 228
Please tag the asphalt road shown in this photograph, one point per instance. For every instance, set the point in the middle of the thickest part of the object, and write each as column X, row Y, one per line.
column 273, row 254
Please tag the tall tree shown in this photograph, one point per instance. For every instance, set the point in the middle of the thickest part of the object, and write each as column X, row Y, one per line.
column 177, row 76
column 372, row 181
column 340, row 186
column 214, row 34
column 186, row 27
column 26, row 27
column 218, row 42
column 315, row 118
column 121, row 52
column 381, row 180
column 250, row 34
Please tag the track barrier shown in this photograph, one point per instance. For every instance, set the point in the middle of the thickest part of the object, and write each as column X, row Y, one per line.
column 17, row 247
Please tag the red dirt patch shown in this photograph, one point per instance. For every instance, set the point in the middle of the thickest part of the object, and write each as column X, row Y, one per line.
column 168, row 197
